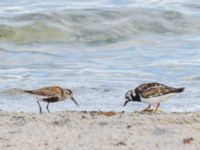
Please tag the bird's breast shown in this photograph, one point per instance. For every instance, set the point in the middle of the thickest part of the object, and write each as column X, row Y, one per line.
column 157, row 99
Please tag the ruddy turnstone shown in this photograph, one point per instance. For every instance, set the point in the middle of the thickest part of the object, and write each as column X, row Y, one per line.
column 51, row 95
column 151, row 93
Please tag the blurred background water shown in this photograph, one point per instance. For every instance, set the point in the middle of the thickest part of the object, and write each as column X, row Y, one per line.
column 99, row 49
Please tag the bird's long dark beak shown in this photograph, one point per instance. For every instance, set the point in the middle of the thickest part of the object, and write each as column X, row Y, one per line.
column 126, row 102
column 75, row 101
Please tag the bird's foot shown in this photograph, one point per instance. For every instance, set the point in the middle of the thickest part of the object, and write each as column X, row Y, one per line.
column 157, row 111
column 152, row 111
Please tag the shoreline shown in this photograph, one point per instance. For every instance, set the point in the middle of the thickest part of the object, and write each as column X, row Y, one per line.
column 99, row 130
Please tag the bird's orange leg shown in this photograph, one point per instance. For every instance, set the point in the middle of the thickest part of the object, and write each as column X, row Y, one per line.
column 158, row 105
column 146, row 109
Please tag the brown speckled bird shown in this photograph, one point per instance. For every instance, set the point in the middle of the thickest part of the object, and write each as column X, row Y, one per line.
column 151, row 93
column 51, row 95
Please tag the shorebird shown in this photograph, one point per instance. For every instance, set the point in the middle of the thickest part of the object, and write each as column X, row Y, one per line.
column 151, row 93
column 51, row 95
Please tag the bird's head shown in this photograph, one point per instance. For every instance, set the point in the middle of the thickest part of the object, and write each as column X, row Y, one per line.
column 131, row 96
column 69, row 94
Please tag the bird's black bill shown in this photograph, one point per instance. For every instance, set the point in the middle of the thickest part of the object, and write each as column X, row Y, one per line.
column 74, row 101
column 126, row 102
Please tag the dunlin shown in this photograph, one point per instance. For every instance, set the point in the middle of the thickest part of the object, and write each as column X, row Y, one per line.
column 151, row 93
column 51, row 95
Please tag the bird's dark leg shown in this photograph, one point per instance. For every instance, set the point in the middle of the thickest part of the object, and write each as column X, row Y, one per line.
column 146, row 109
column 39, row 107
column 156, row 108
column 48, row 107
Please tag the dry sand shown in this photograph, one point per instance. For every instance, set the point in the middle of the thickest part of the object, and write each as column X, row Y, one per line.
column 99, row 131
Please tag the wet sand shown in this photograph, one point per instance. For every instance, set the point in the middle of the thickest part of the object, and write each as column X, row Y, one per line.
column 97, row 131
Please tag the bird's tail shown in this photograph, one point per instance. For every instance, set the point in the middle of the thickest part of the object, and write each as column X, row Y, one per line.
column 179, row 90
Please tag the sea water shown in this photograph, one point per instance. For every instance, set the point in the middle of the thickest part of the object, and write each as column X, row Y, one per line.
column 99, row 49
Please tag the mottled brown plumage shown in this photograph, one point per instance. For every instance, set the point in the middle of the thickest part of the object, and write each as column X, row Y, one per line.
column 154, row 89
column 48, row 91
column 51, row 94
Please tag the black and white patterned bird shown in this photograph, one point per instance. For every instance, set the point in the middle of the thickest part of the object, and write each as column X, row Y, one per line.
column 151, row 93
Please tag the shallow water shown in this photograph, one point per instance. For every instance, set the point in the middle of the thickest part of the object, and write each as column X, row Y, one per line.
column 99, row 49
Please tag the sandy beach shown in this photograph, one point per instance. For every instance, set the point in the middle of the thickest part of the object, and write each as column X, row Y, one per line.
column 99, row 130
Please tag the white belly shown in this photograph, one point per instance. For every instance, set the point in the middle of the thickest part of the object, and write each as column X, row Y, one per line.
column 159, row 99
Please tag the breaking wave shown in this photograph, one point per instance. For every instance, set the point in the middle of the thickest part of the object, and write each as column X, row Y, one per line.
column 93, row 26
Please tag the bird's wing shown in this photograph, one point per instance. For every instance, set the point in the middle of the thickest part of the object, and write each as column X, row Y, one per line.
column 47, row 91
column 148, row 90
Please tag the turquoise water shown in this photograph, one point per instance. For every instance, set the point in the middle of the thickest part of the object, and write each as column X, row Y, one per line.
column 99, row 49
